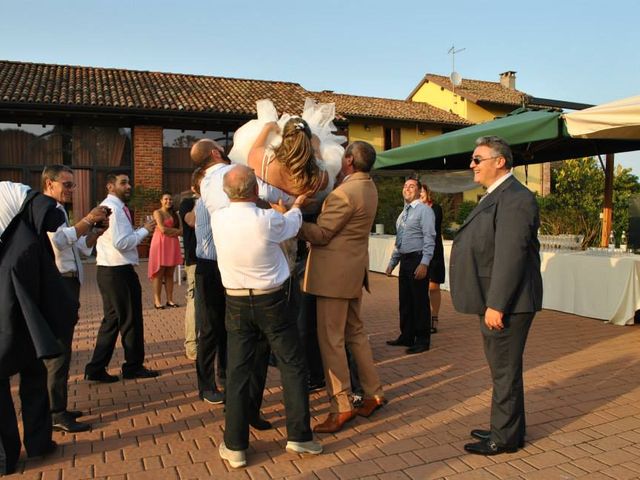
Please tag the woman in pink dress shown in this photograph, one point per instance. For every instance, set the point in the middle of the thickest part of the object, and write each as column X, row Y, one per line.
column 165, row 253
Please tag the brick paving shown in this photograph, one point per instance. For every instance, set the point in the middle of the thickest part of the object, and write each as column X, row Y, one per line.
column 582, row 398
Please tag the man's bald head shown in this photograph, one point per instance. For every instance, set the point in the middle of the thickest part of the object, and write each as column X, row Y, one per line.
column 205, row 152
column 240, row 184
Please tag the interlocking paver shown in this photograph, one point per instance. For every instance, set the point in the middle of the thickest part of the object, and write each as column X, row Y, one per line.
column 583, row 411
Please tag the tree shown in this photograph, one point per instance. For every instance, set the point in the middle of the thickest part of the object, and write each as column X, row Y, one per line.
column 576, row 201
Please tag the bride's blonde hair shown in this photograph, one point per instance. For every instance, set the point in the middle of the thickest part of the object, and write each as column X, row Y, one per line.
column 296, row 154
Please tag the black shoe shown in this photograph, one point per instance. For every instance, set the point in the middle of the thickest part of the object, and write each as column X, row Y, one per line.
column 172, row 305
column 260, row 423
column 49, row 449
column 399, row 342
column 142, row 372
column 101, row 376
column 75, row 413
column 486, row 435
column 316, row 385
column 434, row 324
column 159, row 307
column 488, row 447
column 417, row 348
column 214, row 397
column 64, row 422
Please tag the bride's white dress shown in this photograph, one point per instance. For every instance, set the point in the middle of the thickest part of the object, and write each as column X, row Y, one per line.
column 319, row 117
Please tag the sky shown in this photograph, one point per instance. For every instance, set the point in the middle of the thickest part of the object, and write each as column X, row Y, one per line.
column 583, row 51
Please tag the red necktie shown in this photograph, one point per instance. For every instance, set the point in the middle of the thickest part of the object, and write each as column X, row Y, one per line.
column 128, row 213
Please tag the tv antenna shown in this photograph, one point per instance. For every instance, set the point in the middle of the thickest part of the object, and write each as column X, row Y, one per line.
column 456, row 79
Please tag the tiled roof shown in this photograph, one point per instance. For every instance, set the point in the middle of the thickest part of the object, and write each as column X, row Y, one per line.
column 373, row 107
column 74, row 86
column 478, row 90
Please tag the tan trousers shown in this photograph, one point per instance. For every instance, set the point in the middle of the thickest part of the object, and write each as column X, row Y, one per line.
column 339, row 324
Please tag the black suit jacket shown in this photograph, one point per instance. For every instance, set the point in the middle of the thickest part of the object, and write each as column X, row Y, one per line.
column 36, row 308
column 495, row 259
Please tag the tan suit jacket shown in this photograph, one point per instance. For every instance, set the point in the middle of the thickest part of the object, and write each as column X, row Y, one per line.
column 338, row 261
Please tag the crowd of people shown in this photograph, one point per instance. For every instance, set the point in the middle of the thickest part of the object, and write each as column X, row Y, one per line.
column 271, row 278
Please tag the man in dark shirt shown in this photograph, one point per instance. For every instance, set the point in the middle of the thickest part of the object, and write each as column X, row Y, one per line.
column 189, row 243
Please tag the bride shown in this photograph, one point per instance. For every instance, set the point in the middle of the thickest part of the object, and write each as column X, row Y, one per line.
column 299, row 155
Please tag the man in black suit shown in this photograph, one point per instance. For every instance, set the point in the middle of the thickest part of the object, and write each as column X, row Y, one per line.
column 495, row 273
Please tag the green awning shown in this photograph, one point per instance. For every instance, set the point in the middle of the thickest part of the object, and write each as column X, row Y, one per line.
column 534, row 137
column 516, row 128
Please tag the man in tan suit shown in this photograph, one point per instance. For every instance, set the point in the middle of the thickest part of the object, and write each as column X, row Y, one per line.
column 337, row 269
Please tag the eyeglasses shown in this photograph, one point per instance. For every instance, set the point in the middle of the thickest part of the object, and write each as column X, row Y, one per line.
column 68, row 185
column 479, row 160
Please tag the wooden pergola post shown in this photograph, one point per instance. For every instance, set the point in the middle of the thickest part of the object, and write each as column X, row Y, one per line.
column 607, row 211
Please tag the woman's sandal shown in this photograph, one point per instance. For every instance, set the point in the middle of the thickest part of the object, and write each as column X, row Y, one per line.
column 158, row 307
column 172, row 305
column 434, row 324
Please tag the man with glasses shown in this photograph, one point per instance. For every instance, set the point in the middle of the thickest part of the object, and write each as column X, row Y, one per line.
column 67, row 243
column 415, row 242
column 495, row 274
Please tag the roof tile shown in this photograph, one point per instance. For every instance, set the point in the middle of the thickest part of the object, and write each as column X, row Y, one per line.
column 480, row 90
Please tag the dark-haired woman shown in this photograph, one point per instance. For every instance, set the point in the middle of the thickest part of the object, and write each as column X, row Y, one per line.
column 165, row 254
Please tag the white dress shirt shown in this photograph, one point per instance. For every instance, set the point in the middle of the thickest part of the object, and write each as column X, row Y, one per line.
column 498, row 182
column 67, row 246
column 117, row 245
column 214, row 197
column 248, row 244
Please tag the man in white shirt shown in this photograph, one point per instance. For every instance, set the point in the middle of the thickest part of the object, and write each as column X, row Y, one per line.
column 210, row 297
column 254, row 271
column 67, row 242
column 120, row 288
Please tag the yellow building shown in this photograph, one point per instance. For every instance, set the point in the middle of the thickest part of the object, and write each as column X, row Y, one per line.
column 387, row 123
column 480, row 101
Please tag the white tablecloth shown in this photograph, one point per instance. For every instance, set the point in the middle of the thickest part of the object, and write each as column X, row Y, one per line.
column 602, row 287
column 381, row 248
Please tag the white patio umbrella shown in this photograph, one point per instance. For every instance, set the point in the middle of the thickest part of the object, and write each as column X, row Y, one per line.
column 613, row 120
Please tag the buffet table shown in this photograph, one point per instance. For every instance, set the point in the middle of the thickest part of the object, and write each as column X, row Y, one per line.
column 381, row 248
column 583, row 283
column 592, row 285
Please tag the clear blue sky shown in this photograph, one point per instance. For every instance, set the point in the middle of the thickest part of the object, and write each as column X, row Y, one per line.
column 584, row 51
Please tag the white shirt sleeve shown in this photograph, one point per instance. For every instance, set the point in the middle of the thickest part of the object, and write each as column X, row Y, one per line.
column 82, row 246
column 272, row 194
column 284, row 227
column 64, row 237
column 124, row 237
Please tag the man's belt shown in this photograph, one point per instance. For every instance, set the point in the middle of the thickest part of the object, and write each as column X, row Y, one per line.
column 247, row 292
column 70, row 274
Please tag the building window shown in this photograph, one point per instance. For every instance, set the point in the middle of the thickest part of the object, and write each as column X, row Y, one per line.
column 91, row 151
column 391, row 138
column 177, row 164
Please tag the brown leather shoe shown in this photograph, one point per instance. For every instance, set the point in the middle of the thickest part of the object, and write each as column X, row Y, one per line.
column 334, row 422
column 370, row 405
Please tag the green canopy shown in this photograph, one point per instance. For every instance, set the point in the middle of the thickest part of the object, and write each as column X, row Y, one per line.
column 534, row 136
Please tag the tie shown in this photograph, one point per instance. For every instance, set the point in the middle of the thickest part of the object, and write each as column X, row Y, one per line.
column 403, row 221
column 128, row 214
column 74, row 249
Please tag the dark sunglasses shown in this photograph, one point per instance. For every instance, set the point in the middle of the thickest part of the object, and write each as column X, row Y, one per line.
column 479, row 160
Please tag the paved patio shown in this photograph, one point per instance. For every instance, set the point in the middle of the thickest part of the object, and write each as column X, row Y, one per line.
column 582, row 397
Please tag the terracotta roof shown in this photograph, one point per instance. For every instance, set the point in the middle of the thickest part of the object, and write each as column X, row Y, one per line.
column 76, row 86
column 477, row 90
column 73, row 87
column 373, row 107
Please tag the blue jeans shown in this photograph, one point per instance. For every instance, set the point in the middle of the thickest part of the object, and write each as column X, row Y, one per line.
column 248, row 318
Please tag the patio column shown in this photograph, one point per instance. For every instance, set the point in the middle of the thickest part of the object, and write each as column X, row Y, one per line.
column 607, row 211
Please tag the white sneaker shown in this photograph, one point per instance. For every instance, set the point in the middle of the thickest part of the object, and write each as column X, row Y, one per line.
column 312, row 447
column 236, row 458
